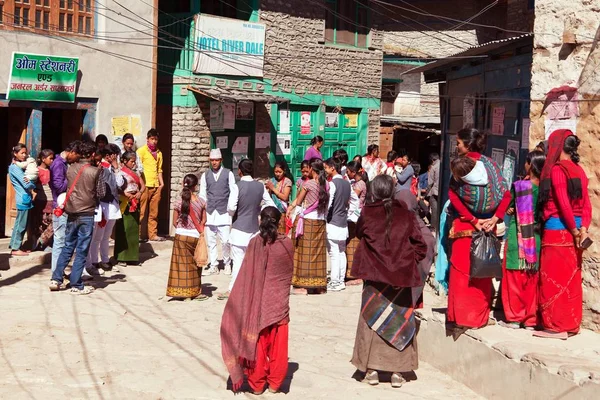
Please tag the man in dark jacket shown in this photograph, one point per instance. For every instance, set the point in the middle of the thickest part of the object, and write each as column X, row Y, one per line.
column 58, row 185
column 87, row 184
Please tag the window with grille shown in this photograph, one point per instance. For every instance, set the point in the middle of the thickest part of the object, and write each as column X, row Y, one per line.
column 347, row 22
column 57, row 16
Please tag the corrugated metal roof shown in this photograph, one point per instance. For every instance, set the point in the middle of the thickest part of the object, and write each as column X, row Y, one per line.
column 232, row 95
column 471, row 51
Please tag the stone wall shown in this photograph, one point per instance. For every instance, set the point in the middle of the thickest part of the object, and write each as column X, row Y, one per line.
column 373, row 130
column 555, row 64
column 296, row 57
column 190, row 145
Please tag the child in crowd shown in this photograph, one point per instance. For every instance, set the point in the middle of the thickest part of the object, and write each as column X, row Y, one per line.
column 30, row 167
column 46, row 231
column 469, row 171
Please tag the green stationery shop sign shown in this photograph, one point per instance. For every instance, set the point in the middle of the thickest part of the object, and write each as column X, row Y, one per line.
column 42, row 78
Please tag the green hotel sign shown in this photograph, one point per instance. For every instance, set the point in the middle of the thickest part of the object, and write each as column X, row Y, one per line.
column 42, row 78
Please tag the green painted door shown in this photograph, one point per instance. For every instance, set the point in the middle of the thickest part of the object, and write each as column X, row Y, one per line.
column 349, row 133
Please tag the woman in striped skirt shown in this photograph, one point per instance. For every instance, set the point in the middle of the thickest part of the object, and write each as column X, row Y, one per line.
column 309, row 234
column 189, row 217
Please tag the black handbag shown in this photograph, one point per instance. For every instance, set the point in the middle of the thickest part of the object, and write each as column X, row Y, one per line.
column 485, row 256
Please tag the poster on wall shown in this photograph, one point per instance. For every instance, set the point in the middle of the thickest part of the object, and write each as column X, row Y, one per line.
column 284, row 145
column 127, row 124
column 262, row 140
column 468, row 111
column 222, row 142
column 512, row 146
column 216, row 116
column 245, row 111
column 229, row 115
column 35, row 77
column 235, row 162
column 553, row 125
column 498, row 120
column 227, row 46
column 508, row 169
column 284, row 121
column 240, row 146
column 452, row 151
column 305, row 123
column 498, row 157
column 351, row 120
column 525, row 134
column 332, row 120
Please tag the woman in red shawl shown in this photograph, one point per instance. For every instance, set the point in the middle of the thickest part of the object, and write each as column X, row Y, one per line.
column 387, row 259
column 567, row 214
column 469, row 300
column 254, row 328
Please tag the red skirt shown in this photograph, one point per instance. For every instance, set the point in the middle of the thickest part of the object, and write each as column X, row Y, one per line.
column 560, row 291
column 519, row 295
column 469, row 300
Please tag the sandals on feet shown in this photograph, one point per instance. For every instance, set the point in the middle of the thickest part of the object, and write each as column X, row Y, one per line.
column 84, row 291
column 223, row 296
column 200, row 297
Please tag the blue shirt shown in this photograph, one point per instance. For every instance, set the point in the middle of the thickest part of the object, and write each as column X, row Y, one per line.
column 22, row 189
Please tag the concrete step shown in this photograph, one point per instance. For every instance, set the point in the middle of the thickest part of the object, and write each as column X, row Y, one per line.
column 502, row 363
column 41, row 257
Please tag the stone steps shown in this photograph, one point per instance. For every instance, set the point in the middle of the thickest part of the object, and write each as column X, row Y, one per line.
column 502, row 363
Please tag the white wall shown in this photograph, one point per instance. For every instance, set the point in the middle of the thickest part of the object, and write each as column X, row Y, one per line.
column 121, row 87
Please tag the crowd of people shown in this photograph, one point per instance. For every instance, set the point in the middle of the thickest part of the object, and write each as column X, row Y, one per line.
column 373, row 222
column 550, row 214
column 75, row 201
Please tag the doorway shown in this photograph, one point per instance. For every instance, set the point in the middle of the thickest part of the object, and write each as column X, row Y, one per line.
column 60, row 127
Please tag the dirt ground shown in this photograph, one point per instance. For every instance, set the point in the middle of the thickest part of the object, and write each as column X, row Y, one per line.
column 128, row 341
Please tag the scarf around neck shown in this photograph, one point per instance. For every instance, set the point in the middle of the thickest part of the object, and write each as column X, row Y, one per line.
column 153, row 149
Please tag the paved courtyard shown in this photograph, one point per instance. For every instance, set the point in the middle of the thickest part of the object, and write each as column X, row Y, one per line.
column 126, row 341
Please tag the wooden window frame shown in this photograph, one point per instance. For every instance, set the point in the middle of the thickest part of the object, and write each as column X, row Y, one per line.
column 59, row 17
column 334, row 15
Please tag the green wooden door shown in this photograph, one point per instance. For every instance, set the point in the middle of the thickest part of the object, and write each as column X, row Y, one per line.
column 350, row 134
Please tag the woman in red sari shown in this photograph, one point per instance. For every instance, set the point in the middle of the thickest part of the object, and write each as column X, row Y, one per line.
column 469, row 300
column 567, row 214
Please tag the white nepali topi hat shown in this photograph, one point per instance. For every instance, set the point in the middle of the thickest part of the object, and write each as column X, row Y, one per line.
column 215, row 154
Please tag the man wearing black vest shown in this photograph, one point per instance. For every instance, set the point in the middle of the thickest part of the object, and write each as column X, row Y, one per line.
column 247, row 198
column 216, row 188
column 337, row 224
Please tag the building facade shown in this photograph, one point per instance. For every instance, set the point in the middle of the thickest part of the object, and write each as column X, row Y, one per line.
column 110, row 79
column 315, row 74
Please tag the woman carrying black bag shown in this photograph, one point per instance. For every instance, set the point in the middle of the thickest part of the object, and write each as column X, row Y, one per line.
column 479, row 206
